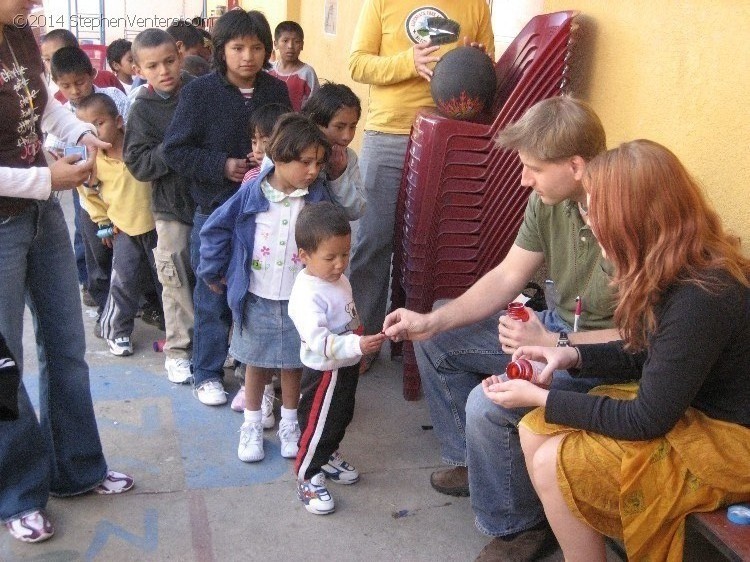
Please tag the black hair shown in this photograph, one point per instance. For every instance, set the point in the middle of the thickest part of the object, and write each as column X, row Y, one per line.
column 293, row 134
column 239, row 23
column 70, row 60
column 264, row 118
column 63, row 36
column 288, row 27
column 150, row 38
column 327, row 100
column 208, row 40
column 100, row 101
column 186, row 32
column 195, row 65
column 317, row 222
column 116, row 50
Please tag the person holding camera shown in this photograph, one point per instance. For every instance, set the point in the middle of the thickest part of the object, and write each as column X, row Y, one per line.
column 60, row 453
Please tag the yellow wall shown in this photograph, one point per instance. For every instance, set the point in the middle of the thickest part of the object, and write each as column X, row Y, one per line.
column 675, row 71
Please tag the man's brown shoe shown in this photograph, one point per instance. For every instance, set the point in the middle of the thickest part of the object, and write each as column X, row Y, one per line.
column 452, row 481
column 526, row 546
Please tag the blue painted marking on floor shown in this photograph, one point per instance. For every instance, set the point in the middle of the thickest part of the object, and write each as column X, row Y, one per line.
column 105, row 529
column 207, row 436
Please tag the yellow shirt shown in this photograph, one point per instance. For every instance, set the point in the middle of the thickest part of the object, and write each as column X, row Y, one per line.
column 121, row 199
column 382, row 54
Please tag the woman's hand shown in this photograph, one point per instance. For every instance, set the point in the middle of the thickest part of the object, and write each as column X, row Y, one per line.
column 67, row 172
column 557, row 358
column 515, row 333
column 93, row 143
column 515, row 393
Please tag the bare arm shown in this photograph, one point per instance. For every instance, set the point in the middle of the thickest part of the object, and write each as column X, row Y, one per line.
column 486, row 297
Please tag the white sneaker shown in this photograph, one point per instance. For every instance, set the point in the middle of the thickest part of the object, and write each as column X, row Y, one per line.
column 238, row 402
column 178, row 370
column 289, row 435
column 315, row 496
column 269, row 395
column 340, row 471
column 212, row 393
column 251, row 442
column 32, row 527
column 120, row 347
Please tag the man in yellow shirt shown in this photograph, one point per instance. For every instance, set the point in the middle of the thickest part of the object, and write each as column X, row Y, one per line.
column 391, row 51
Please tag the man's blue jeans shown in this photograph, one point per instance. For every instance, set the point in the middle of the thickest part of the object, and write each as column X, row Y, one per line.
column 61, row 452
column 213, row 319
column 474, row 431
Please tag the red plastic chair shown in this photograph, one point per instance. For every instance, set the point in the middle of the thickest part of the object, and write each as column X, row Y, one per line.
column 461, row 202
column 97, row 54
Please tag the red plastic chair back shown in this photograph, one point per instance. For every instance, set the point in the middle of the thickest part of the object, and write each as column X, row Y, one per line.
column 97, row 54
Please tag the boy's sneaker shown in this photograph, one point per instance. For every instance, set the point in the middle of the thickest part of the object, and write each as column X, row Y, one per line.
column 153, row 316
column 88, row 300
column 251, row 442
column 289, row 435
column 178, row 370
column 120, row 346
column 211, row 393
column 340, row 471
column 314, row 494
column 266, row 407
column 238, row 402
column 32, row 527
column 115, row 483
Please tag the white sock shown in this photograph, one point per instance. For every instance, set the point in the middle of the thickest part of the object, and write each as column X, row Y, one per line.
column 289, row 415
column 253, row 416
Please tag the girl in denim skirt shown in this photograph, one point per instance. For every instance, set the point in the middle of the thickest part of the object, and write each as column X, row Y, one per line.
column 248, row 245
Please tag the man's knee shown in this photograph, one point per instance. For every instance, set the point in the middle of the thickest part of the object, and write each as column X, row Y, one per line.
column 477, row 406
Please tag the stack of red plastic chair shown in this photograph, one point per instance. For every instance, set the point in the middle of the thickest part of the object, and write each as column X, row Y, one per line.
column 461, row 201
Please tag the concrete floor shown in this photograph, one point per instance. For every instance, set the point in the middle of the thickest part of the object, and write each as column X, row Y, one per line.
column 195, row 501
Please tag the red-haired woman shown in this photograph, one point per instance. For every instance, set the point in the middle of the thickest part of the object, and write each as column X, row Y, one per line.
column 632, row 461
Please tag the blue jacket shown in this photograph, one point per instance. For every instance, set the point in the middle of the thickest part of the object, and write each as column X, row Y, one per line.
column 209, row 126
column 228, row 238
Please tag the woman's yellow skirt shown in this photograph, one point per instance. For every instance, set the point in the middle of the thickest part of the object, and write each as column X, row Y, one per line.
column 641, row 491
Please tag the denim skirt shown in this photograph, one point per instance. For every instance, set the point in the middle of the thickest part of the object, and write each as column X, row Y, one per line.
column 267, row 337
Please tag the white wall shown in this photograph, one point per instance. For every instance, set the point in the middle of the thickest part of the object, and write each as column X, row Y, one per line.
column 121, row 18
column 509, row 17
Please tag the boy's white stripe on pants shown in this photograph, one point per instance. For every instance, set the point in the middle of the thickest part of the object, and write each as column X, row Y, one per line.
column 132, row 257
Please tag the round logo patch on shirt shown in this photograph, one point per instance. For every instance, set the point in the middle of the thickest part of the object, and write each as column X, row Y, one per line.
column 416, row 23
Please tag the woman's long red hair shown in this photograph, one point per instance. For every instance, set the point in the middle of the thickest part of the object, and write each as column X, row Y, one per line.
column 657, row 228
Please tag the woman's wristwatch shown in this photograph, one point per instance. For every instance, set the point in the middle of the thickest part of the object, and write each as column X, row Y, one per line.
column 563, row 340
